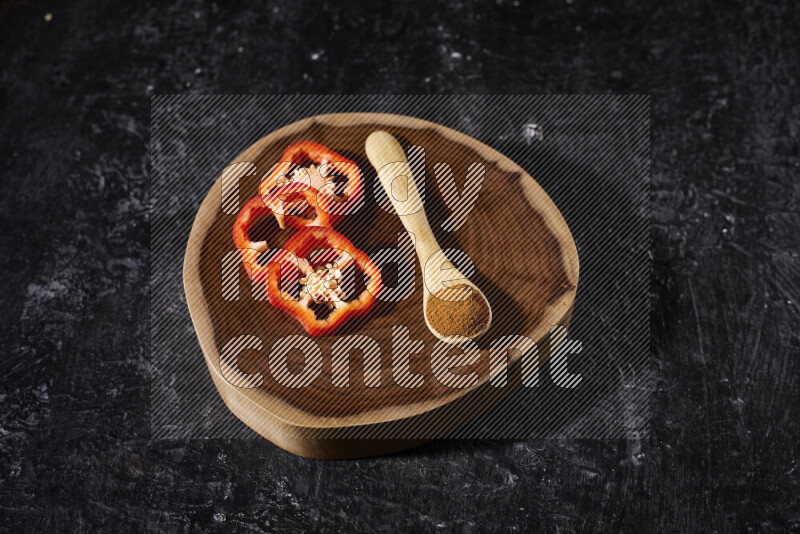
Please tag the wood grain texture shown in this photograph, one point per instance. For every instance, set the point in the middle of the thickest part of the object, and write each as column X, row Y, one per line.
column 526, row 264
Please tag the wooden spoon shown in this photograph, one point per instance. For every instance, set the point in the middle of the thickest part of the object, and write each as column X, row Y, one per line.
column 394, row 172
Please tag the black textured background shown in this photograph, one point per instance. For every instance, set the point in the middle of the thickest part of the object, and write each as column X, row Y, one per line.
column 723, row 452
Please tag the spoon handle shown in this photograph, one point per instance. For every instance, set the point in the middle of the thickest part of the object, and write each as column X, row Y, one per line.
column 394, row 172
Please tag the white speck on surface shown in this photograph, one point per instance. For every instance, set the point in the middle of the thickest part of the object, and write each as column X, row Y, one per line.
column 240, row 49
column 15, row 471
column 198, row 70
column 532, row 132
column 46, row 292
column 578, row 29
column 219, row 517
column 39, row 297
column 316, row 55
column 41, row 393
column 455, row 55
column 48, row 17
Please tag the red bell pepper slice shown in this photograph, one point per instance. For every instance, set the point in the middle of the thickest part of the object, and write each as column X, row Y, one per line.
column 250, row 250
column 282, row 199
column 319, row 176
column 322, row 282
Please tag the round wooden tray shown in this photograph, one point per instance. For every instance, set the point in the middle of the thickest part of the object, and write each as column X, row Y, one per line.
column 526, row 262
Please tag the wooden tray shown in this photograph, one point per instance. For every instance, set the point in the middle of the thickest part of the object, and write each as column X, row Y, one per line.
column 520, row 244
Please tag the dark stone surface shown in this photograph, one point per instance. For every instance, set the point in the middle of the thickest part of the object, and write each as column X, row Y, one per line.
column 723, row 453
